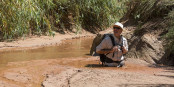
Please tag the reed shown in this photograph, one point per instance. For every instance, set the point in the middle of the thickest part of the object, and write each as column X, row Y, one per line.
column 145, row 10
column 19, row 18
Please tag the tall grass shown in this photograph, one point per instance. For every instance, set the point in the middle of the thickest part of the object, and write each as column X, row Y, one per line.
column 145, row 10
column 21, row 17
column 91, row 15
column 24, row 17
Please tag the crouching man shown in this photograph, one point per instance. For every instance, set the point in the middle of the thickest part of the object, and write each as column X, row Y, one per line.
column 114, row 53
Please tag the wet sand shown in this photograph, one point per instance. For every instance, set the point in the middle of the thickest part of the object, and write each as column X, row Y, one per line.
column 83, row 72
column 77, row 72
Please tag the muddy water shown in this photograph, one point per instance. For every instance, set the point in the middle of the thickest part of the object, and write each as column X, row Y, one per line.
column 68, row 49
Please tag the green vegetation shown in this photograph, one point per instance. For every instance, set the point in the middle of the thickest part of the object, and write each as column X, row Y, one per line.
column 170, row 35
column 143, row 11
column 21, row 17
column 25, row 17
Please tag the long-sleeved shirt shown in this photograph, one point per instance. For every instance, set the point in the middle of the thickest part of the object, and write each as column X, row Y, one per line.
column 107, row 44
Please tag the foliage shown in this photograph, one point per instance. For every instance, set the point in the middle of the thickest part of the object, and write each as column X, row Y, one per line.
column 91, row 14
column 23, row 17
column 19, row 17
column 170, row 35
column 143, row 11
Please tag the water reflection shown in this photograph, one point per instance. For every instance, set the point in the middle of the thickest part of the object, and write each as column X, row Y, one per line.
column 70, row 48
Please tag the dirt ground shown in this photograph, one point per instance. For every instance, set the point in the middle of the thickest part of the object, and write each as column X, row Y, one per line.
column 78, row 72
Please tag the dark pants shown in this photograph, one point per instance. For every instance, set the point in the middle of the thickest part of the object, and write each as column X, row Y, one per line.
column 120, row 63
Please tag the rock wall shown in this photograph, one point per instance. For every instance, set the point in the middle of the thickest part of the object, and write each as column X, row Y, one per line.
column 146, row 47
column 146, row 42
column 153, row 19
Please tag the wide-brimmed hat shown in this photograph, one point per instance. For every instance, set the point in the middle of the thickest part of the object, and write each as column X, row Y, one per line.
column 118, row 24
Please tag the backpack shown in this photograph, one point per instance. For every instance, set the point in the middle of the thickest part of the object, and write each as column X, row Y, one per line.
column 97, row 40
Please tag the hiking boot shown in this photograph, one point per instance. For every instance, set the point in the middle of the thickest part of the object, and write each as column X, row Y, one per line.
column 120, row 65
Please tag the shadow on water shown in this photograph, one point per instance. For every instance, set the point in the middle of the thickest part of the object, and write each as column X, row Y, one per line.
column 68, row 49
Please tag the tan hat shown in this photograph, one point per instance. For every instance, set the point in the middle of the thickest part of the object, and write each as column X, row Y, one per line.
column 118, row 24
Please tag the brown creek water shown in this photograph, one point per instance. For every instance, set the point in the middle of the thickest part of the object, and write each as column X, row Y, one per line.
column 68, row 49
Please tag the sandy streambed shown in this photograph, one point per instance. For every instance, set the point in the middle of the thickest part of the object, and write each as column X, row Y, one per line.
column 78, row 72
column 83, row 72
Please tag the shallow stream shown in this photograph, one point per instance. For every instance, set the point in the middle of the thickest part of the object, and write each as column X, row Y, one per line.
column 68, row 49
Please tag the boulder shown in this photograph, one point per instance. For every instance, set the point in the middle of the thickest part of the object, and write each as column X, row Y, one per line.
column 146, row 47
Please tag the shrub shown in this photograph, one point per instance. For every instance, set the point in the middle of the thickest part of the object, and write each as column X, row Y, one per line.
column 91, row 15
column 170, row 34
column 23, row 17
column 143, row 11
column 19, row 17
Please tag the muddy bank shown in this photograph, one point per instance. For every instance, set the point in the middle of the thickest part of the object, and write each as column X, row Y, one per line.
column 27, row 73
column 104, row 78
column 83, row 72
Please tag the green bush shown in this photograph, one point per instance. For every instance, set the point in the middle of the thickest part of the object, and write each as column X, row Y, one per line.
column 143, row 11
column 23, row 17
column 91, row 15
column 20, row 17
column 170, row 34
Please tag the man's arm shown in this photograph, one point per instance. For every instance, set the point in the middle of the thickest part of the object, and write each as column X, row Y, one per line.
column 105, row 51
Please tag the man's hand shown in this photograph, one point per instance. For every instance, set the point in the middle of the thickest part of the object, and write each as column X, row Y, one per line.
column 124, row 50
column 115, row 48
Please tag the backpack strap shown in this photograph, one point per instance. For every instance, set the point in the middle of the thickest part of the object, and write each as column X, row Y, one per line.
column 121, row 41
column 113, row 42
column 112, row 39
